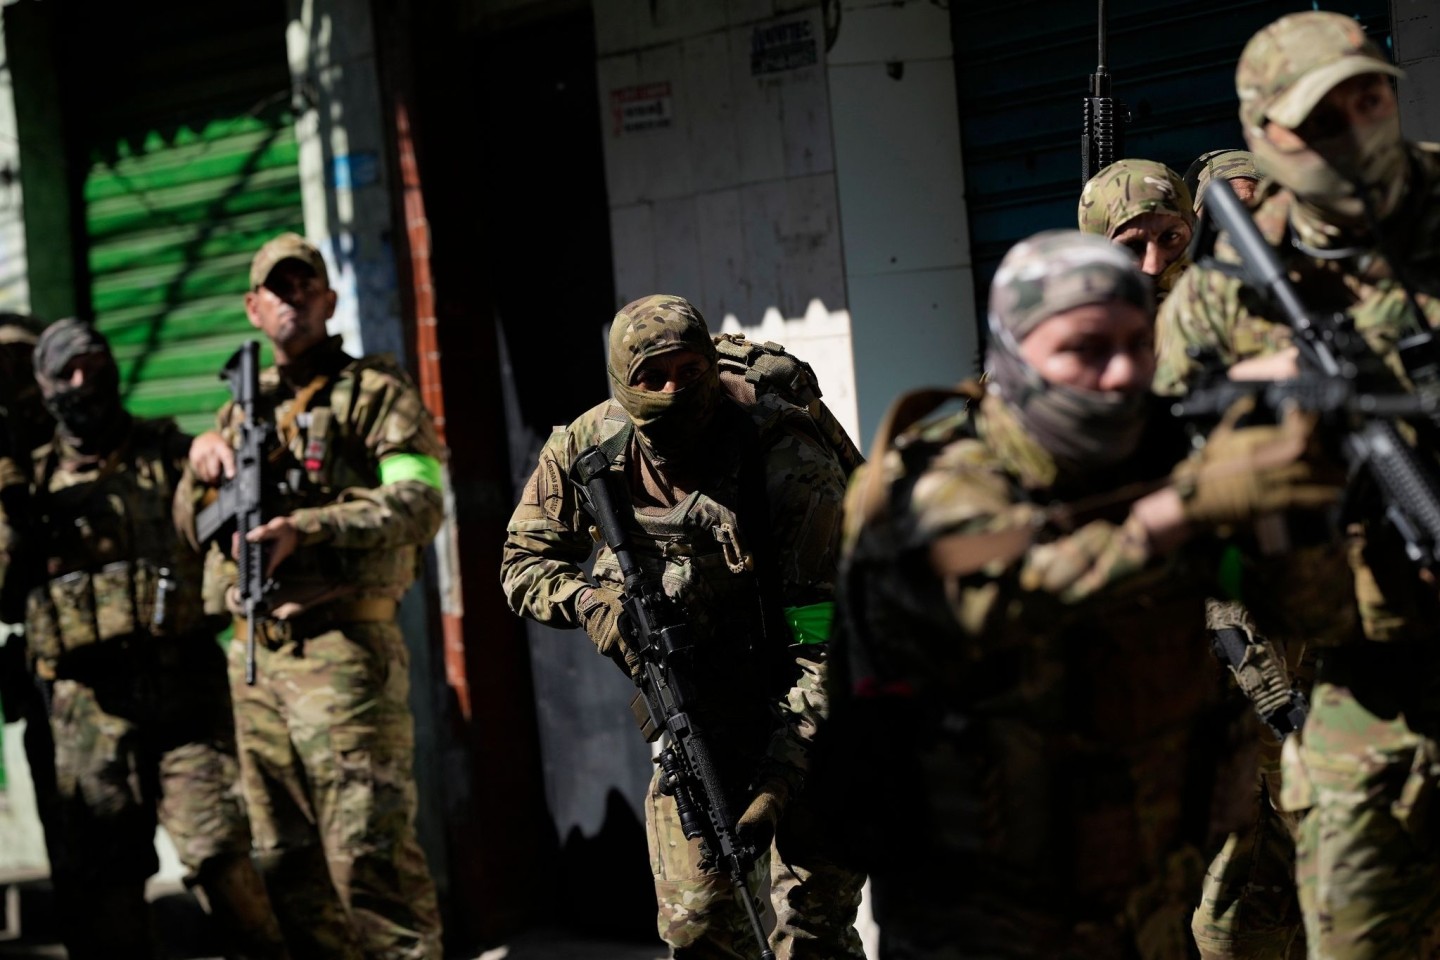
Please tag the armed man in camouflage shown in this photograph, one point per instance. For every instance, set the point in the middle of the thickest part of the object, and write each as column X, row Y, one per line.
column 739, row 507
column 1354, row 213
column 134, row 681
column 1235, row 167
column 326, row 735
column 1024, row 586
column 1145, row 207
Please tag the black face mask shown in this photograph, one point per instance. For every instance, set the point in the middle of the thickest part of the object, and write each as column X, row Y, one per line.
column 91, row 411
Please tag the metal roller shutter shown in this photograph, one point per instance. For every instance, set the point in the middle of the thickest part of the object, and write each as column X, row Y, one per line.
column 1022, row 69
column 191, row 164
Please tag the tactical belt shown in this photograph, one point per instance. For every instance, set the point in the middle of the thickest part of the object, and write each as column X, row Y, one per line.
column 274, row 634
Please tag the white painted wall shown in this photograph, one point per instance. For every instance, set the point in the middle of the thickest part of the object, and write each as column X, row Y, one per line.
column 728, row 197
column 14, row 282
column 1416, row 26
column 902, row 200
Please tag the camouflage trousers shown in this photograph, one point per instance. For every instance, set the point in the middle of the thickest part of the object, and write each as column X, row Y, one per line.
column 1249, row 909
column 1366, row 775
column 135, row 744
column 326, row 752
column 812, row 898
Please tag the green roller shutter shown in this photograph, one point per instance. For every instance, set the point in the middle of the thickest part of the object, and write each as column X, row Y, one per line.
column 184, row 181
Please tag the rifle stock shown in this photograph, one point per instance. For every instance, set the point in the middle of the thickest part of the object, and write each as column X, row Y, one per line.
column 656, row 629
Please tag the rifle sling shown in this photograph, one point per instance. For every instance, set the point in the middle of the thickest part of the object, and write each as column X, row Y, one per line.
column 285, row 424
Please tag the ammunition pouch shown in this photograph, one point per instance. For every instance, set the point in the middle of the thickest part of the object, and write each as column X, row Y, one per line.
column 89, row 607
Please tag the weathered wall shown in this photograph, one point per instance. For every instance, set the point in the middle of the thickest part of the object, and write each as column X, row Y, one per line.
column 343, row 161
column 902, row 204
column 720, row 170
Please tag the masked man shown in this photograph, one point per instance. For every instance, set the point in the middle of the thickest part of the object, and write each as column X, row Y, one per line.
column 737, row 508
column 134, row 682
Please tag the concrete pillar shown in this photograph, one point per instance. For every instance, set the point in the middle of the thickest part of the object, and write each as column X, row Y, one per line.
column 343, row 161
column 37, row 272
column 896, row 124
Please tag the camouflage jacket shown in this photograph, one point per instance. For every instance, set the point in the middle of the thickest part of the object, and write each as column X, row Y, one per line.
column 1068, row 683
column 109, row 560
column 768, row 693
column 1212, row 311
column 361, row 537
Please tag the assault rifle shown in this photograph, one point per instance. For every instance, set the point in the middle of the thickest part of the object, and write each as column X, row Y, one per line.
column 656, row 629
column 240, row 506
column 1103, row 140
column 1344, row 381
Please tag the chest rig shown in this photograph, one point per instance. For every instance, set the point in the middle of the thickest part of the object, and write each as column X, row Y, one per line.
column 711, row 549
column 319, row 455
column 115, row 566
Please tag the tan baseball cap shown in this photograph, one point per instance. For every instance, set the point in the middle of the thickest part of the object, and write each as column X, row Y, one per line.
column 1289, row 66
column 287, row 246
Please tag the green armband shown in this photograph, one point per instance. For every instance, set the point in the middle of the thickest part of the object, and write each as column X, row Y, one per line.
column 811, row 624
column 1231, row 573
column 410, row 466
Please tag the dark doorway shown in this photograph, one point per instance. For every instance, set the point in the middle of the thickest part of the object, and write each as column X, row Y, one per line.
column 509, row 138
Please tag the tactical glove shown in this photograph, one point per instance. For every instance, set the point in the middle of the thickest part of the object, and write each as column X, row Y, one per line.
column 756, row 826
column 1247, row 472
column 599, row 609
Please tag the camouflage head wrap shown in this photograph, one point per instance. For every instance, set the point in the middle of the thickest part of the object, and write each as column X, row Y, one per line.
column 1289, row 66
column 1226, row 164
column 669, row 425
column 63, row 341
column 90, row 413
column 651, row 326
column 1056, row 271
column 1126, row 189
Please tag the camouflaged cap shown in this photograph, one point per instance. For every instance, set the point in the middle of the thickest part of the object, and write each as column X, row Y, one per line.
column 1058, row 270
column 1291, row 64
column 287, row 246
column 1226, row 164
column 654, row 325
column 1128, row 188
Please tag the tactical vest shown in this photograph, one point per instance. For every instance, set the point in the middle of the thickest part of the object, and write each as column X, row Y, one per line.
column 322, row 456
column 115, row 566
column 1070, row 735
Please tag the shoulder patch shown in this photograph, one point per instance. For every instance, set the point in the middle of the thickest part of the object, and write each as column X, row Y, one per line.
column 551, row 488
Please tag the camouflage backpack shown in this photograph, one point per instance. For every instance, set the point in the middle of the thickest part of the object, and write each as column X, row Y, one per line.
column 749, row 369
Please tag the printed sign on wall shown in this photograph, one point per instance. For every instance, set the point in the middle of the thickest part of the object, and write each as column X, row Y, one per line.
column 645, row 106
column 783, row 46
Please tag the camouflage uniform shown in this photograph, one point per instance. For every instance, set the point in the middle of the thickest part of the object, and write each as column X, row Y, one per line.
column 1047, row 705
column 1227, row 164
column 1363, row 773
column 326, row 734
column 762, row 691
column 1127, row 189
column 135, row 687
